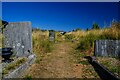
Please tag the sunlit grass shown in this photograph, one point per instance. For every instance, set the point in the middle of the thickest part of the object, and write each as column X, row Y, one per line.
column 86, row 39
column 1, row 40
column 41, row 44
column 14, row 65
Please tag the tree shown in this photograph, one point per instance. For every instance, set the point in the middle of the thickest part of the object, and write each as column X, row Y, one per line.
column 87, row 29
column 35, row 29
column 78, row 29
column 95, row 26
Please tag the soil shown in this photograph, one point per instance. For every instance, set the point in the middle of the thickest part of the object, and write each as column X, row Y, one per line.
column 60, row 63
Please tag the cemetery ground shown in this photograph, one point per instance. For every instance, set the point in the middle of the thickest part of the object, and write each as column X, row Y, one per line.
column 60, row 63
column 64, row 58
column 65, row 62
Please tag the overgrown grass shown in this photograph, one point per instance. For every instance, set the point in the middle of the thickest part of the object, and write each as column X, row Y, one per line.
column 112, row 64
column 1, row 39
column 87, row 38
column 85, row 47
column 69, row 37
column 41, row 44
column 59, row 37
column 28, row 77
column 12, row 66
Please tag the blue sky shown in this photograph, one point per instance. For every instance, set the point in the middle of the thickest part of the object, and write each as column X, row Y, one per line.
column 60, row 15
column 0, row 9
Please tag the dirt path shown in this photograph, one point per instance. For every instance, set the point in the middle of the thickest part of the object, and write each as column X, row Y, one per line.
column 60, row 63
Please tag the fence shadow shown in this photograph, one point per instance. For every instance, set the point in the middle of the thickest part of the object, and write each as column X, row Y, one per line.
column 102, row 71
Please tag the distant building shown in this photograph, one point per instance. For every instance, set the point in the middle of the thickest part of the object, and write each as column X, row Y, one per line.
column 62, row 32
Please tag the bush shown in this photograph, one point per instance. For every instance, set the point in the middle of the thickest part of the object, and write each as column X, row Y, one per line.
column 13, row 66
column 46, row 45
column 95, row 26
column 87, row 42
column 83, row 45
column 69, row 37
column 28, row 77
column 41, row 44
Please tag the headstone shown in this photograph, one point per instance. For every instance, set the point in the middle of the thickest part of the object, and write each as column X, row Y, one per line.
column 107, row 48
column 51, row 35
column 18, row 36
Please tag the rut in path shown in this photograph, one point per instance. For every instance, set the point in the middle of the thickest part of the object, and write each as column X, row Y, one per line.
column 60, row 63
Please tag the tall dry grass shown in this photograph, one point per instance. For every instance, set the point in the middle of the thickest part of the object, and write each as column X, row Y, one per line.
column 41, row 44
column 1, row 40
column 86, row 47
column 108, row 33
column 86, row 38
column 59, row 37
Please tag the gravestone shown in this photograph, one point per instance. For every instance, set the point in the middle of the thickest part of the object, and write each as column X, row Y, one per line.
column 18, row 36
column 107, row 48
column 51, row 35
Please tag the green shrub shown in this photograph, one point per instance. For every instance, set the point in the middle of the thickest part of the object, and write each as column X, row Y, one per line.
column 4, row 71
column 21, row 61
column 115, row 69
column 87, row 42
column 46, row 45
column 12, row 66
column 83, row 62
column 95, row 26
column 41, row 45
column 83, row 45
column 69, row 37
column 112, row 68
column 106, row 63
column 28, row 77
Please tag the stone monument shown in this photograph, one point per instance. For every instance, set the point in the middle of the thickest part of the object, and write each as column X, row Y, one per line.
column 18, row 35
column 107, row 48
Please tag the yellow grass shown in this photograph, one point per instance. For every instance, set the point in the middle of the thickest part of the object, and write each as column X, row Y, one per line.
column 113, row 32
column 40, row 34
column 0, row 40
column 41, row 44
